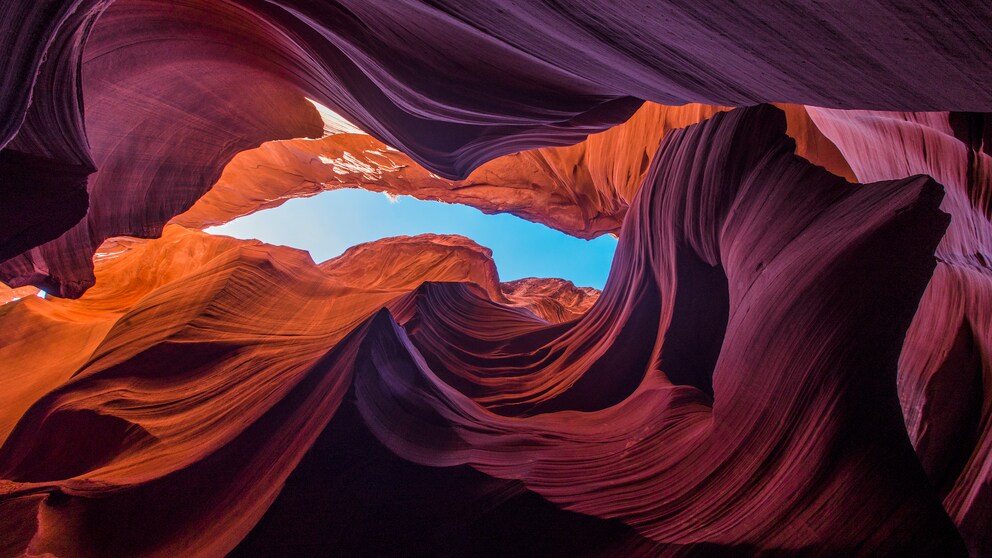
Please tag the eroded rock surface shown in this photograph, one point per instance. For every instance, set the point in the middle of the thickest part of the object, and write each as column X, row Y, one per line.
column 452, row 86
column 792, row 355
column 732, row 389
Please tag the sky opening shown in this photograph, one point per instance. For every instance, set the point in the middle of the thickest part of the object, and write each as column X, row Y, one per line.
column 331, row 222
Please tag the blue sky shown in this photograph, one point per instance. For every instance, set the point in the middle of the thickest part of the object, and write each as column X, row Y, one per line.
column 329, row 223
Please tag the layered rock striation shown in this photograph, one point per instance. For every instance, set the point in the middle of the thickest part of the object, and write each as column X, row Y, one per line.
column 792, row 355
column 734, row 388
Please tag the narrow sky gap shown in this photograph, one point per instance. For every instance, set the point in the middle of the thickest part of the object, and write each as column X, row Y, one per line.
column 331, row 222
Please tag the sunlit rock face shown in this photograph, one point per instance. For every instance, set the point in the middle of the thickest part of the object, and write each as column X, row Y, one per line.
column 86, row 75
column 555, row 300
column 583, row 190
column 400, row 263
column 248, row 353
column 792, row 355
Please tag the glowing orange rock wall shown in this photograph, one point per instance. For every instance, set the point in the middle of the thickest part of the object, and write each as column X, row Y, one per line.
column 783, row 360
column 245, row 360
column 583, row 190
column 98, row 102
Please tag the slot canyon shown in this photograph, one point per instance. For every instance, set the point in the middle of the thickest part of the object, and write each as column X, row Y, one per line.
column 791, row 355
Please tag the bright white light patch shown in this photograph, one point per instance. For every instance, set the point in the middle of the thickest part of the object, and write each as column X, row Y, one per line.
column 334, row 123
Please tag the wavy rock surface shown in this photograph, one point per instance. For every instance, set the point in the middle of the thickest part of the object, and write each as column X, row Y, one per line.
column 946, row 363
column 778, row 364
column 153, row 139
column 130, row 269
column 401, row 263
column 583, row 190
column 555, row 300
column 94, row 84
column 682, row 463
column 688, row 409
column 8, row 294
column 213, row 304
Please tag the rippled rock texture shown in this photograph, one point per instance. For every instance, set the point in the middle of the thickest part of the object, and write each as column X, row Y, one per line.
column 92, row 84
column 792, row 355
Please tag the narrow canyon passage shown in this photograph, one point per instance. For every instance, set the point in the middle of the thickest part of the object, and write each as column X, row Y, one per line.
column 458, row 278
column 330, row 223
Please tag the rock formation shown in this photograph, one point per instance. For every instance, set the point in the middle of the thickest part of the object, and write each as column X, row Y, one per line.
column 792, row 355
column 583, row 190
column 445, row 375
